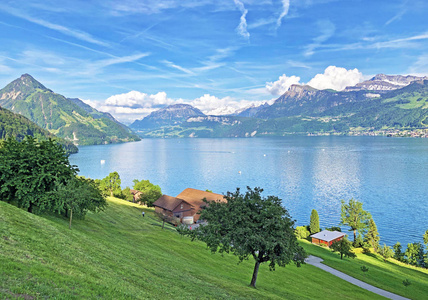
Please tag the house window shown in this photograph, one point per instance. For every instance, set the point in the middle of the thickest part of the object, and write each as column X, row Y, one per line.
column 181, row 206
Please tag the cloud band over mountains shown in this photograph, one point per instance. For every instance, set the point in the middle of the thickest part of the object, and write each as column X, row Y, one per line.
column 133, row 105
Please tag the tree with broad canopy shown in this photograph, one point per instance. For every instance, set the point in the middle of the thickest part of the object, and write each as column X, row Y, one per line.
column 251, row 225
column 354, row 216
column 110, row 185
column 30, row 169
column 344, row 248
column 149, row 192
column 79, row 195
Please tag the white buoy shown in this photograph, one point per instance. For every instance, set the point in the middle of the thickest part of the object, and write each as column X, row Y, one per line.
column 264, row 154
column 103, row 161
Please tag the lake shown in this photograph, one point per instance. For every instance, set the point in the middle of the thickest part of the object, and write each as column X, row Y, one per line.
column 388, row 175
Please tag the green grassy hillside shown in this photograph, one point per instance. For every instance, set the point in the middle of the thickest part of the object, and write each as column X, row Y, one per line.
column 118, row 254
column 385, row 275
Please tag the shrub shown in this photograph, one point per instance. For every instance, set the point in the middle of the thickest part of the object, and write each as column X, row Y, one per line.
column 302, row 232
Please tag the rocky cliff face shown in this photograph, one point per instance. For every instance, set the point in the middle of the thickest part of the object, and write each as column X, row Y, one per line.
column 382, row 82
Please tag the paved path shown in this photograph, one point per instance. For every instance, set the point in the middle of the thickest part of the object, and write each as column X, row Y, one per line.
column 316, row 261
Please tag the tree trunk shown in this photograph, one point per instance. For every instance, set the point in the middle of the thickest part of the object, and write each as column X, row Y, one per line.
column 30, row 208
column 163, row 223
column 255, row 272
column 355, row 235
column 71, row 217
column 341, row 255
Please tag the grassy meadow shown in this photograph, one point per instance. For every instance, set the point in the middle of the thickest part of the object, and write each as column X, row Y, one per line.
column 118, row 254
column 385, row 275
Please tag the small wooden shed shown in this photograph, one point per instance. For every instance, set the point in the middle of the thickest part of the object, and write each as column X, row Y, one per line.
column 327, row 237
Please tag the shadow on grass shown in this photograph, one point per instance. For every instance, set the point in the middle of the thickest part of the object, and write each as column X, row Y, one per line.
column 165, row 228
column 375, row 256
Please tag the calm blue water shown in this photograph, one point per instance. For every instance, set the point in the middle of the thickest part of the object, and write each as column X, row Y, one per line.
column 389, row 175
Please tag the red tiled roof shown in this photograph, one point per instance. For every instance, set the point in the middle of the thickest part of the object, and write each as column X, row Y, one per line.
column 194, row 197
column 167, row 202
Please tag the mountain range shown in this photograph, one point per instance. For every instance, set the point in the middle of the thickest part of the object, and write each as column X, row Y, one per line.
column 67, row 118
column 384, row 102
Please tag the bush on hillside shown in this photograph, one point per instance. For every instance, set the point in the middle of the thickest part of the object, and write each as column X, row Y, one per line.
column 302, row 232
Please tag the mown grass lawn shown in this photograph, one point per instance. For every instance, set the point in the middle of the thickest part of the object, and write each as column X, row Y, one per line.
column 118, row 254
column 385, row 275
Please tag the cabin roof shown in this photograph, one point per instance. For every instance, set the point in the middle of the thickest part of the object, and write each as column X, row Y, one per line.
column 327, row 235
column 194, row 197
column 168, row 202
column 191, row 196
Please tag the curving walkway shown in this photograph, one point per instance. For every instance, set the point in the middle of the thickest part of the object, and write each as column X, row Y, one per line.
column 316, row 261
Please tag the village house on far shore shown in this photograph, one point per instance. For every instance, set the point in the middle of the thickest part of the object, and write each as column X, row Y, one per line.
column 327, row 237
column 187, row 204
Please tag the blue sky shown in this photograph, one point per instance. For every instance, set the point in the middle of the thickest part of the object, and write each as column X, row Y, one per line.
column 130, row 57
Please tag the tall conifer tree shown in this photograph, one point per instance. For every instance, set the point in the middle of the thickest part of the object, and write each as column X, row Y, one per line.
column 372, row 236
column 314, row 226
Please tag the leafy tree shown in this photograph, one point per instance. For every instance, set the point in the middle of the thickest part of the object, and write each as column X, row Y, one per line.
column 426, row 237
column 344, row 247
column 386, row 252
column 251, row 225
column 30, row 170
column 413, row 254
column 79, row 195
column 149, row 192
column 359, row 242
column 334, row 228
column 315, row 222
column 302, row 232
column 127, row 195
column 398, row 253
column 354, row 216
column 372, row 236
column 110, row 185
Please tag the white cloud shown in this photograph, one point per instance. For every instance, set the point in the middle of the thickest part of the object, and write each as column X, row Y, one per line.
column 136, row 105
column 327, row 29
column 336, row 78
column 242, row 27
column 420, row 66
column 175, row 66
column 209, row 104
column 212, row 105
column 81, row 35
column 280, row 86
column 135, row 99
column 119, row 60
column 285, row 7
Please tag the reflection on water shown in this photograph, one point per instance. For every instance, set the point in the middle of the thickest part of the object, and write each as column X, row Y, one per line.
column 387, row 174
